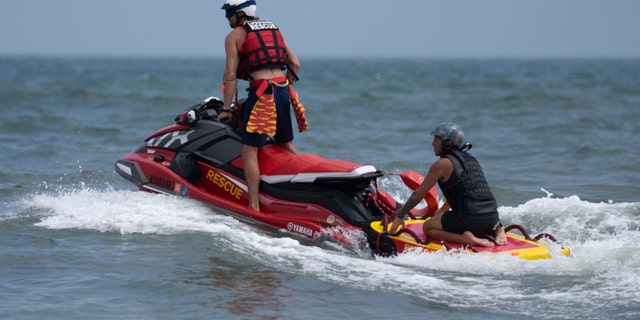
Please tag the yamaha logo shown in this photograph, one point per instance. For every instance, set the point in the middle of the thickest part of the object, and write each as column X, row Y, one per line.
column 300, row 229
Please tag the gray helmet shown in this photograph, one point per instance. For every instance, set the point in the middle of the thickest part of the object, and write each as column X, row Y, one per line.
column 449, row 132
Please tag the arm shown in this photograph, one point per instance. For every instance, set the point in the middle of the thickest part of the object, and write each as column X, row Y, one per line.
column 437, row 171
column 294, row 63
column 229, row 78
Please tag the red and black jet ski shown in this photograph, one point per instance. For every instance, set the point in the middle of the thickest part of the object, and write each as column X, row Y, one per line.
column 199, row 157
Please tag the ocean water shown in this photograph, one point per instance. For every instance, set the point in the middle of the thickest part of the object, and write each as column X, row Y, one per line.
column 558, row 140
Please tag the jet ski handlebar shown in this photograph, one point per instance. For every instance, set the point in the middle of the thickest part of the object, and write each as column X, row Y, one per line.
column 207, row 109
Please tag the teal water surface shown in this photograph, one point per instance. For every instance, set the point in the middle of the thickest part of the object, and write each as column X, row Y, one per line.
column 558, row 141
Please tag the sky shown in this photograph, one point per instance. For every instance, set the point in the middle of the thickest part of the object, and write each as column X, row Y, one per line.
column 328, row 28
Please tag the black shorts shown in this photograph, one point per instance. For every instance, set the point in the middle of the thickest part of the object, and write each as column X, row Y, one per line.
column 479, row 224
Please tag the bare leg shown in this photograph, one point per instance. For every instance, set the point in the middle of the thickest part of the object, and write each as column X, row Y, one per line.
column 433, row 223
column 252, row 174
column 290, row 147
column 501, row 236
column 466, row 238
column 433, row 229
column 471, row 239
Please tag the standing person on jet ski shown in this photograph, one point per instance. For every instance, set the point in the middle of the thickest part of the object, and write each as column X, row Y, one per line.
column 470, row 211
column 256, row 52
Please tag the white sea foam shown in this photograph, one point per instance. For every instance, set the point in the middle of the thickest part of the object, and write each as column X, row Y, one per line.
column 122, row 211
column 603, row 238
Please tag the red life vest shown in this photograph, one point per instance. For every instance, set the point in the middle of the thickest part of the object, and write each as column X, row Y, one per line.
column 263, row 48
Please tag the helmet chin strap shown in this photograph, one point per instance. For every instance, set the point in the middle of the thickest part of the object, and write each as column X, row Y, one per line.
column 446, row 147
column 239, row 19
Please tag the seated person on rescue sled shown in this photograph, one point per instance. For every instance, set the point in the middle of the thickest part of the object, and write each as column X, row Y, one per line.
column 470, row 212
column 256, row 52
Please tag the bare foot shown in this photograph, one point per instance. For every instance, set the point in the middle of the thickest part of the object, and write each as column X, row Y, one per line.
column 501, row 237
column 473, row 240
column 255, row 206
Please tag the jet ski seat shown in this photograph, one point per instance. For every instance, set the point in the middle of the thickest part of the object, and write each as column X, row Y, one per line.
column 278, row 165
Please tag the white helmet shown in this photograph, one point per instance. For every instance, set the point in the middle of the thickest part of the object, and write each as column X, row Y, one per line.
column 232, row 6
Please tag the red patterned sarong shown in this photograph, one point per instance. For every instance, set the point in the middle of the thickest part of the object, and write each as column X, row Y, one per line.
column 263, row 116
column 298, row 109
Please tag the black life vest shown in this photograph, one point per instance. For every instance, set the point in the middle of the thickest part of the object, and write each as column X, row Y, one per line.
column 467, row 190
column 263, row 48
